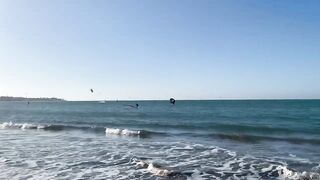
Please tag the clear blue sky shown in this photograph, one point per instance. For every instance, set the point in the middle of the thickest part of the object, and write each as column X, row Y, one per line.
column 141, row 49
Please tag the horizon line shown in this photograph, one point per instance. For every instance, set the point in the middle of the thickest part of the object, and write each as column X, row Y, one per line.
column 191, row 99
column 224, row 99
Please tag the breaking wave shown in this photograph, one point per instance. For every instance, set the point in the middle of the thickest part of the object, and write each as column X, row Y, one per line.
column 60, row 127
column 221, row 163
column 49, row 127
column 12, row 125
column 124, row 132
column 240, row 137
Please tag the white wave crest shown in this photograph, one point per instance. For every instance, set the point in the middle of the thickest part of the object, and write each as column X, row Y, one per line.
column 124, row 132
column 23, row 126
column 113, row 131
column 10, row 124
column 41, row 126
column 6, row 125
column 29, row 126
column 130, row 132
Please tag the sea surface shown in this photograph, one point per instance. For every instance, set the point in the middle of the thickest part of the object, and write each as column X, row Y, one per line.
column 221, row 139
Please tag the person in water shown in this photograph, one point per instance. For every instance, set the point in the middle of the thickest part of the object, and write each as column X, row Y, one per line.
column 172, row 101
column 134, row 106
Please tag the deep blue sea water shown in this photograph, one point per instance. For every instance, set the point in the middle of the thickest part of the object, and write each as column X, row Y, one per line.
column 235, row 139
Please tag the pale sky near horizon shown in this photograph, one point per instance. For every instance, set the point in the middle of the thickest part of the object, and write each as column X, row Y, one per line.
column 140, row 49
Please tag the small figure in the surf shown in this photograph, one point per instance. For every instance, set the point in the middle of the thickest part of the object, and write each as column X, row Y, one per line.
column 28, row 102
column 134, row 106
column 172, row 101
column 91, row 90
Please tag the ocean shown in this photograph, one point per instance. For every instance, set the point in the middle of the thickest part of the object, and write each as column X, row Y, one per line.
column 218, row 139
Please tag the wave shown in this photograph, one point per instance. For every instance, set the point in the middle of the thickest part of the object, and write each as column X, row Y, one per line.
column 124, row 132
column 96, row 129
column 241, row 137
column 227, row 128
column 18, row 125
column 254, row 138
column 49, row 127
column 137, row 133
column 250, row 166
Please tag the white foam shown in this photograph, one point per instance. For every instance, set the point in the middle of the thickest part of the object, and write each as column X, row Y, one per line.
column 214, row 151
column 41, row 127
column 129, row 132
column 28, row 126
column 113, row 131
column 154, row 168
column 286, row 173
column 266, row 169
column 22, row 126
column 143, row 164
column 157, row 170
column 124, row 132
column 6, row 125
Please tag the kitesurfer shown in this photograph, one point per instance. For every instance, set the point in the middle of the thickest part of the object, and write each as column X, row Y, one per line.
column 172, row 101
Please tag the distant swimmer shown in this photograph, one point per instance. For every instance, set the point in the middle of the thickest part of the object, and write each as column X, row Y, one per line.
column 91, row 90
column 28, row 102
column 136, row 106
column 172, row 101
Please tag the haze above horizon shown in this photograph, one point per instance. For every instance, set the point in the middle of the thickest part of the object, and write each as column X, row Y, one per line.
column 160, row 49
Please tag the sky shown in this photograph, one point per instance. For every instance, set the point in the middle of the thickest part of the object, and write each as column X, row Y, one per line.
column 141, row 49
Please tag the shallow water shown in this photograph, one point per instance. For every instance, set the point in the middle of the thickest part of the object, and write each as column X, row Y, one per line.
column 191, row 140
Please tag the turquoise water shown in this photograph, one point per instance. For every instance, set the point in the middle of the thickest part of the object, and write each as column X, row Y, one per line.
column 266, row 139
